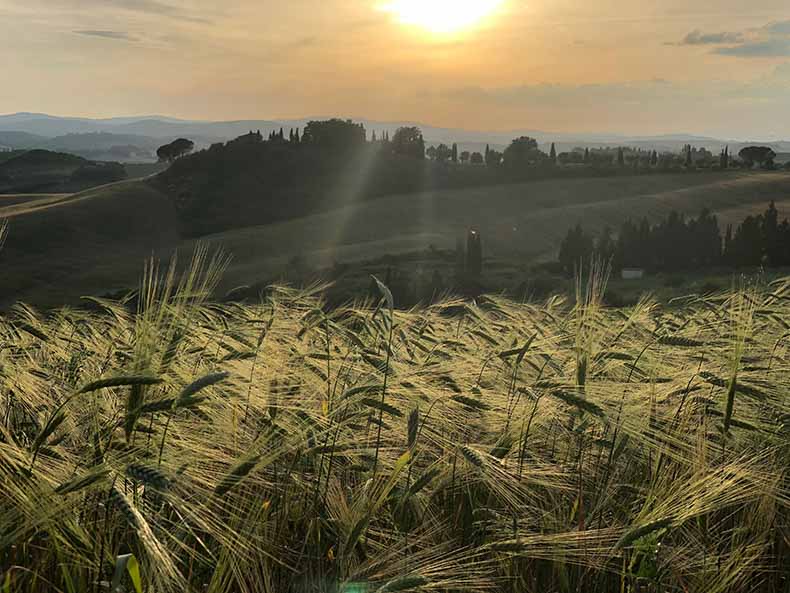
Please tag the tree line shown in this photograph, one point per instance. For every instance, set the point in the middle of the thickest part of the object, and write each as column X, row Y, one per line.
column 677, row 243
column 339, row 134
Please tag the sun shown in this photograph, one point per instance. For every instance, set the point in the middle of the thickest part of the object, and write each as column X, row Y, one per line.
column 441, row 16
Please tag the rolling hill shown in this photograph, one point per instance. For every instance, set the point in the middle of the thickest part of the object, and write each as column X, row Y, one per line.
column 54, row 172
column 62, row 247
column 158, row 128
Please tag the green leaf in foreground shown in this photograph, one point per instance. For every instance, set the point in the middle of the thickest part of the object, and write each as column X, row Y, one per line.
column 126, row 563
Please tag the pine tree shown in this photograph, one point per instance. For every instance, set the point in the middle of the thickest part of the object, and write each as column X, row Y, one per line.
column 455, row 153
column 654, row 158
column 689, row 162
column 296, row 136
column 487, row 151
column 553, row 154
column 586, row 155
column 474, row 255
column 728, row 255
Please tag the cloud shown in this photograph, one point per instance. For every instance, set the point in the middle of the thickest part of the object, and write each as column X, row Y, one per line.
column 778, row 28
column 156, row 7
column 769, row 41
column 697, row 37
column 770, row 48
column 119, row 35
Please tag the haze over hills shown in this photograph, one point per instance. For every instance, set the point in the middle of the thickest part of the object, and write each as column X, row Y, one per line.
column 96, row 137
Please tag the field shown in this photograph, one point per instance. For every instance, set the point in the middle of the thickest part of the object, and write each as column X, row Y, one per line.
column 93, row 242
column 463, row 447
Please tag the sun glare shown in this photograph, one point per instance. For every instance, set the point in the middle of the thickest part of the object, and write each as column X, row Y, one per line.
column 441, row 16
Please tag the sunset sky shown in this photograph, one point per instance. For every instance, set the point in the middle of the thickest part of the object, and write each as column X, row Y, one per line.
column 709, row 67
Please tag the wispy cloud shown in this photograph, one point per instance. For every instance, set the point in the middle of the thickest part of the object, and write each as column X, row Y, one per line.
column 769, row 48
column 117, row 35
column 157, row 8
column 769, row 41
column 699, row 38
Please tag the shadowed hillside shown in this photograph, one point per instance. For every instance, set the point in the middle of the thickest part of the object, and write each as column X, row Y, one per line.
column 62, row 247
column 42, row 171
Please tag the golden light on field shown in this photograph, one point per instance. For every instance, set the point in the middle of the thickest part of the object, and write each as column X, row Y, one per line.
column 441, row 16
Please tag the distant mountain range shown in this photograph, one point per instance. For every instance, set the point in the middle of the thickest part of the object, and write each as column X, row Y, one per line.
column 133, row 139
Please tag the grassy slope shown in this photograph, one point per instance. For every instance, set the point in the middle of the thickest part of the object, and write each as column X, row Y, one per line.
column 95, row 241
column 524, row 222
column 63, row 247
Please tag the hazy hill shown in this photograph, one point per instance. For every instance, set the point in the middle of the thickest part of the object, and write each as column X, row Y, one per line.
column 42, row 171
column 21, row 140
column 158, row 128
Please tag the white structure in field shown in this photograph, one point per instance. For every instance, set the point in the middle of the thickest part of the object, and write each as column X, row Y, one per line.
column 633, row 273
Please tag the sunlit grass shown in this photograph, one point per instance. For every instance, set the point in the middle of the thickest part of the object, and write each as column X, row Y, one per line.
column 515, row 447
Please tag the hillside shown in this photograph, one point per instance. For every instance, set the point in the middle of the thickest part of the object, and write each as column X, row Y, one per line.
column 521, row 224
column 61, row 248
column 43, row 171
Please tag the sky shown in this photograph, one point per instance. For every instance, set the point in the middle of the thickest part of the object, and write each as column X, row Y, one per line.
column 718, row 68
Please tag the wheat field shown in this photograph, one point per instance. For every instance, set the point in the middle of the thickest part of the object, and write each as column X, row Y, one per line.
column 170, row 443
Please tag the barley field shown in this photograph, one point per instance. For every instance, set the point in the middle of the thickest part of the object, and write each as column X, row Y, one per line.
column 170, row 443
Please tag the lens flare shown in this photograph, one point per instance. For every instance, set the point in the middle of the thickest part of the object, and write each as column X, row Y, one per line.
column 441, row 16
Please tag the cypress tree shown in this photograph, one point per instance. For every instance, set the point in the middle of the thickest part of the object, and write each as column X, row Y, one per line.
column 688, row 156
column 586, row 155
column 474, row 255
column 455, row 153
column 553, row 154
column 296, row 135
column 487, row 151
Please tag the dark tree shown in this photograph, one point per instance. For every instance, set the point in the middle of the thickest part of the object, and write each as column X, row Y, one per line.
column 175, row 150
column 605, row 246
column 586, row 155
column 474, row 255
column 522, row 152
column 762, row 155
column 576, row 248
column 408, row 141
column 454, row 155
column 620, row 157
column 441, row 153
column 334, row 133
column 465, row 156
column 476, row 158
column 553, row 154
column 493, row 158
